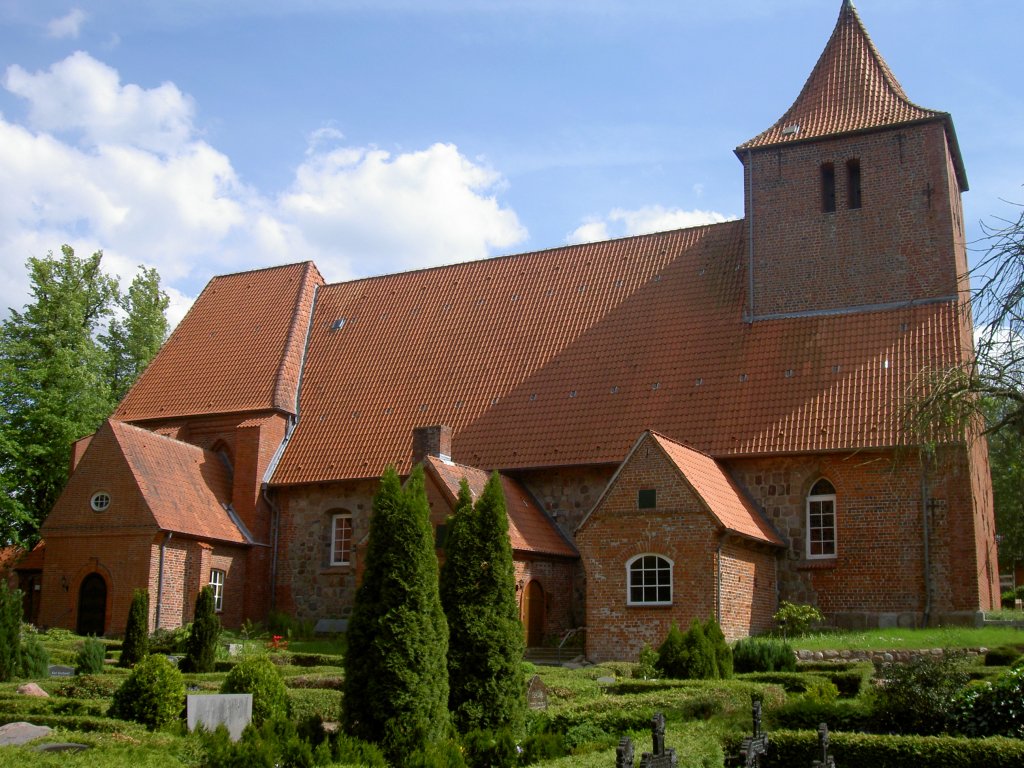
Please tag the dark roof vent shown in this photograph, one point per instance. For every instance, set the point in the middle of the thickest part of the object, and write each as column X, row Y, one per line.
column 338, row 324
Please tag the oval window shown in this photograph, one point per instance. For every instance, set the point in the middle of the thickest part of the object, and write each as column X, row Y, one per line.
column 100, row 501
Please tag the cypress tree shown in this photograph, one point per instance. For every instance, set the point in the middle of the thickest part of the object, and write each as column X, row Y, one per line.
column 136, row 635
column 723, row 653
column 486, row 638
column 396, row 682
column 672, row 656
column 10, row 631
column 701, row 663
column 201, row 645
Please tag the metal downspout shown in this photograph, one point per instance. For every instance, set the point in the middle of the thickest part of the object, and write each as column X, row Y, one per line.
column 718, row 580
column 927, row 536
column 275, row 524
column 160, row 579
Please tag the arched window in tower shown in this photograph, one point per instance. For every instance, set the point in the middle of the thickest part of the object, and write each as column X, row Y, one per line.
column 828, row 188
column 821, row 520
column 853, row 183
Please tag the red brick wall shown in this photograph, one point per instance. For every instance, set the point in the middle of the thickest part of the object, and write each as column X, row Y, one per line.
column 748, row 587
column 679, row 529
column 878, row 574
column 563, row 609
column 898, row 246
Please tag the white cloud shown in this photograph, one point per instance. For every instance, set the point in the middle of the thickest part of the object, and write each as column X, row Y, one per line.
column 134, row 180
column 85, row 95
column 641, row 221
column 363, row 205
column 67, row 26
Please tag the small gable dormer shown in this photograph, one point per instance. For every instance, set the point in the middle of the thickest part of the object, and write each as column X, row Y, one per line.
column 853, row 195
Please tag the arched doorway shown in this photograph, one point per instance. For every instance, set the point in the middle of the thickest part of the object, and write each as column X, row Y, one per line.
column 92, row 605
column 533, row 614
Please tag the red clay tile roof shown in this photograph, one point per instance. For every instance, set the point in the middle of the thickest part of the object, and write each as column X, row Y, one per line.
column 718, row 491
column 563, row 357
column 529, row 529
column 185, row 487
column 851, row 88
column 8, row 557
column 33, row 561
column 239, row 348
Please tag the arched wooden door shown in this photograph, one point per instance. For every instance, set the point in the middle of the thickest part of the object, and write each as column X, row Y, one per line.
column 92, row 605
column 533, row 614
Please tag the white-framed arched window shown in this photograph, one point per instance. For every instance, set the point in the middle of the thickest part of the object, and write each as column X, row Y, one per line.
column 821, row 521
column 649, row 580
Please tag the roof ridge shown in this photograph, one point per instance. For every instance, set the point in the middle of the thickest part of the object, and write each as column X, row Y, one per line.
column 239, row 273
column 306, row 282
column 524, row 254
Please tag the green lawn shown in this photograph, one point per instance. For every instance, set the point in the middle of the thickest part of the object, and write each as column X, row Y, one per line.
column 909, row 639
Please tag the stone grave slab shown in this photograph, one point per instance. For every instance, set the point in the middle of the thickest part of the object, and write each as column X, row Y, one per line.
column 331, row 626
column 62, row 746
column 232, row 710
column 16, row 734
column 58, row 670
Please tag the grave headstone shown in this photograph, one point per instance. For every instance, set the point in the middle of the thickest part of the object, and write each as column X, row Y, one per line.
column 826, row 761
column 58, row 670
column 232, row 710
column 624, row 753
column 537, row 693
column 755, row 748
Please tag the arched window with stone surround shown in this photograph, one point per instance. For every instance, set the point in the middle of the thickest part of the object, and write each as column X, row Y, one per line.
column 821, row 521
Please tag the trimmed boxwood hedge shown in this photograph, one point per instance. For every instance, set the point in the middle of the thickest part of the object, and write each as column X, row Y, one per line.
column 878, row 751
column 314, row 702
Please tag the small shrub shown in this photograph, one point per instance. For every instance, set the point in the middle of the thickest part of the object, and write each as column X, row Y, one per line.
column 258, row 675
column 822, row 691
column 10, row 632
column 153, row 694
column 796, row 618
column 541, row 746
column 275, row 743
column 920, row 696
column 670, row 662
column 490, row 749
column 136, row 634
column 438, row 754
column 169, row 641
column 587, row 737
column 646, row 668
column 994, row 709
column 89, row 687
column 35, row 659
column 763, row 654
column 687, row 656
column 348, row 750
column 1003, row 656
column 201, row 646
column 89, row 660
column 723, row 653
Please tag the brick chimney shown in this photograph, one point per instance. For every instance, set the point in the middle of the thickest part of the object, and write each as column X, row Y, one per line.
column 431, row 441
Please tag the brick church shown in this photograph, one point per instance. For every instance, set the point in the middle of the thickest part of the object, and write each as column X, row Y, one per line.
column 692, row 423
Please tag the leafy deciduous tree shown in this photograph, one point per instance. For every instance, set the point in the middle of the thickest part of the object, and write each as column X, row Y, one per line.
column 396, row 681
column 60, row 376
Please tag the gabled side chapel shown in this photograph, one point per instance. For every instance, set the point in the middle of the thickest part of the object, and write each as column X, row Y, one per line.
column 690, row 423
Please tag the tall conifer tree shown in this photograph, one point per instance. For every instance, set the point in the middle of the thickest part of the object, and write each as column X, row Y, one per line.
column 486, row 637
column 396, row 682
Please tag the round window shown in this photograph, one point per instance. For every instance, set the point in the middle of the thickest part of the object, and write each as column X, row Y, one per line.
column 100, row 501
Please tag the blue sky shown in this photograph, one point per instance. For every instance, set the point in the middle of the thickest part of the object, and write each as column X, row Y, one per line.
column 211, row 136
